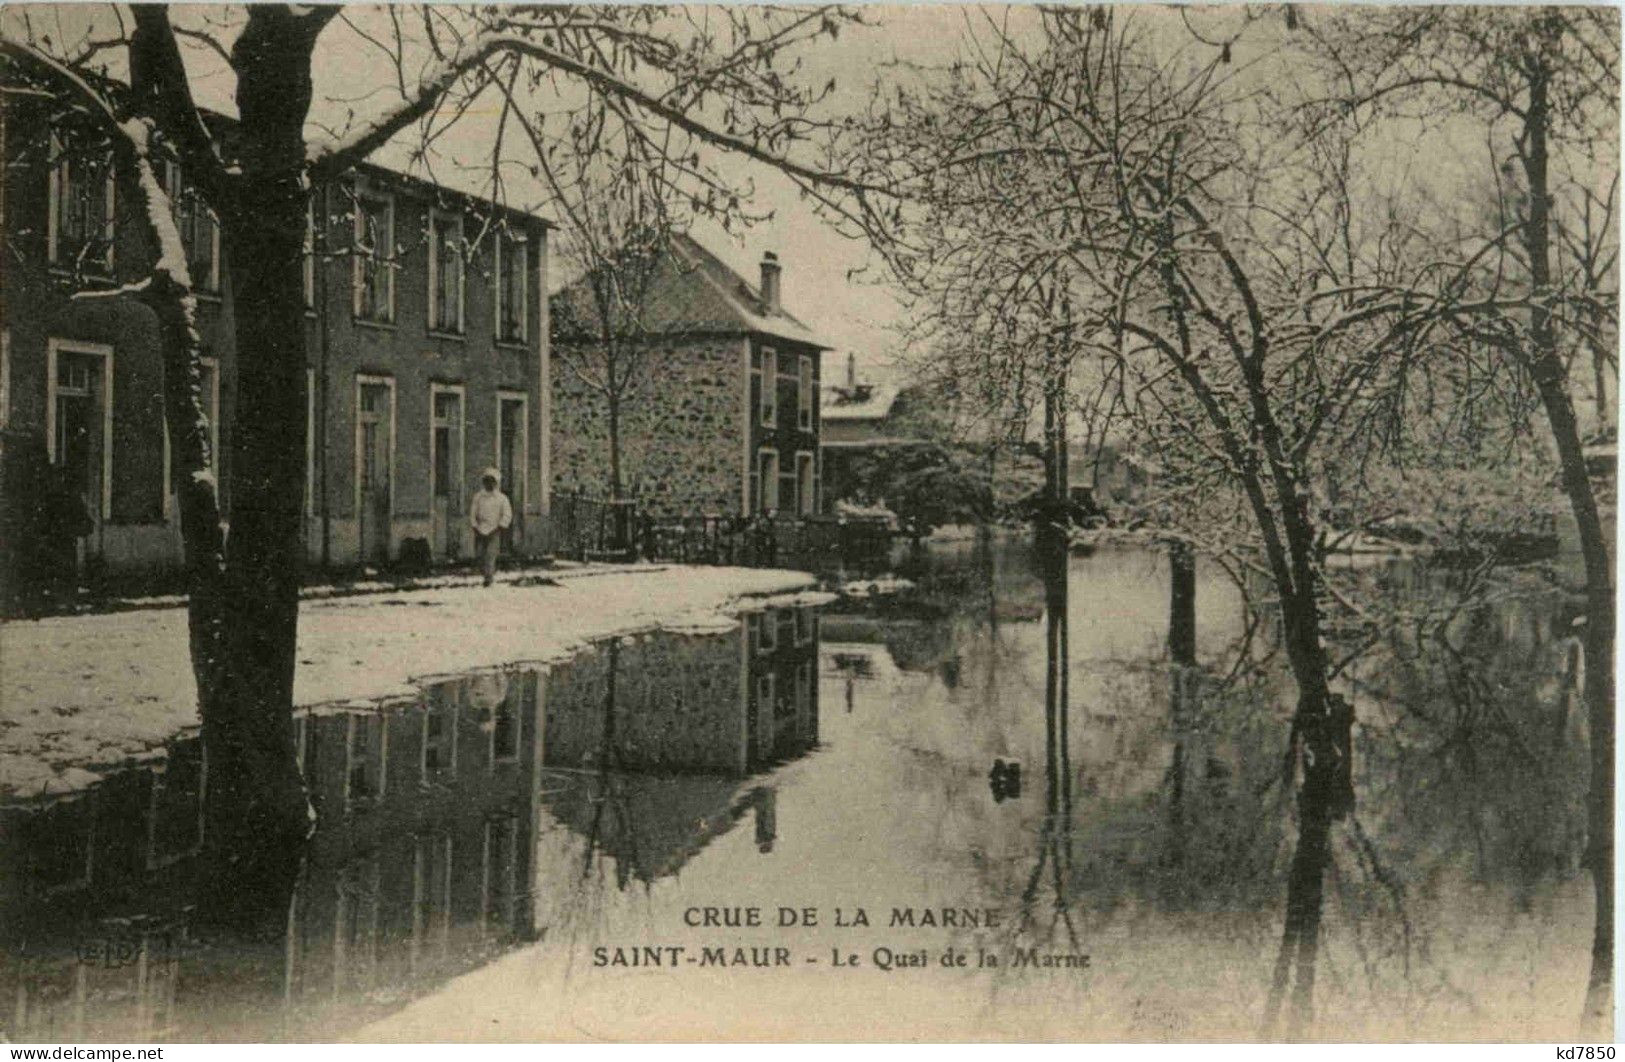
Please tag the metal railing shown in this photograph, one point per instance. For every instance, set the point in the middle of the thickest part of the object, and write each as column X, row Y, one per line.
column 583, row 527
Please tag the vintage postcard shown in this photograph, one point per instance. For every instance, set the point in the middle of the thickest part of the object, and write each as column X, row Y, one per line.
column 754, row 523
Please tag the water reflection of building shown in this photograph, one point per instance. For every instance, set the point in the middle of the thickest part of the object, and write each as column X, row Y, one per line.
column 422, row 865
column 647, row 738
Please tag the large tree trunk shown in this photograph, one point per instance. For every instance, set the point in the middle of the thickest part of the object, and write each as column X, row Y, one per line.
column 1551, row 379
column 257, row 812
column 1599, row 684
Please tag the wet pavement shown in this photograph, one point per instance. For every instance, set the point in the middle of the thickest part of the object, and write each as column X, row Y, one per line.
column 1002, row 810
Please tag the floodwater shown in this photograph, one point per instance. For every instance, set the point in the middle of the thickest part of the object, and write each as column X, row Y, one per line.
column 986, row 808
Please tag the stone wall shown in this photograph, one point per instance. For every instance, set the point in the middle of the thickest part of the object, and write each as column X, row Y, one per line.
column 682, row 448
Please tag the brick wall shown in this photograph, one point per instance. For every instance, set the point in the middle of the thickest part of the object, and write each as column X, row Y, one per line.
column 682, row 449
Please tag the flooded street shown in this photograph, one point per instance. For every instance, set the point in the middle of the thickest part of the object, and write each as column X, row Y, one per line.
column 758, row 833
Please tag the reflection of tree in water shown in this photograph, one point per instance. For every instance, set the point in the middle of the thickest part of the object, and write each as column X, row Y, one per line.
column 1201, row 838
column 1470, row 776
column 1468, row 784
column 1055, row 833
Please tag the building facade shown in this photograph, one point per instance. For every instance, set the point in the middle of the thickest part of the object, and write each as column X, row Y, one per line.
column 426, row 355
column 722, row 416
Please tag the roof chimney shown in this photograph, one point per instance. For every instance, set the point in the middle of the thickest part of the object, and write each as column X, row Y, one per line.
column 770, row 282
column 851, row 371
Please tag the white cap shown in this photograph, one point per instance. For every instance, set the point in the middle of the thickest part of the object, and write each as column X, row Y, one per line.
column 491, row 473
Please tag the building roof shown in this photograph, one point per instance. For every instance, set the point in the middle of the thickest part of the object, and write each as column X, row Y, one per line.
column 865, row 402
column 695, row 291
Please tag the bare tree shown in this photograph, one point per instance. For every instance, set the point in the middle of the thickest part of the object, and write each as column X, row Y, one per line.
column 1543, row 86
column 1205, row 262
column 708, row 73
column 620, row 242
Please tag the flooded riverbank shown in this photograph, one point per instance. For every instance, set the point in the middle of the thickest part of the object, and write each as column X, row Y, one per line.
column 1000, row 766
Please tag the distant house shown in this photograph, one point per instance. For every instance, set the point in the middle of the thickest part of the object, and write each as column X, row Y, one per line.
column 860, row 417
column 724, row 418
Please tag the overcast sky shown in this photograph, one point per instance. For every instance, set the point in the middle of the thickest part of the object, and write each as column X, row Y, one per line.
column 829, row 281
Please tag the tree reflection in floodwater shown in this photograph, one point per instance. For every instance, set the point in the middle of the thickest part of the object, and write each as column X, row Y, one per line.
column 1468, row 762
column 1094, row 746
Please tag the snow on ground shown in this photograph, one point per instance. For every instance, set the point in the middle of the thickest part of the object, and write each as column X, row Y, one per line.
column 82, row 693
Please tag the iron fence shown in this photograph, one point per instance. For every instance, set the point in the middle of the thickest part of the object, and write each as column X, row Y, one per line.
column 583, row 527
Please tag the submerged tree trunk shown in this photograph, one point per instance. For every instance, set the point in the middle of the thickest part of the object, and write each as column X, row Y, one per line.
column 1551, row 379
column 1181, row 605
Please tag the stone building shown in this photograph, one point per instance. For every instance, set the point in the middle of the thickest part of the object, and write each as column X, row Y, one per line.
column 700, row 432
column 425, row 337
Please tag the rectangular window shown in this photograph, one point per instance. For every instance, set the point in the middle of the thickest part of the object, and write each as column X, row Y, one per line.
column 445, row 273
column 766, row 705
column 200, row 232
column 355, row 926
column 431, row 895
column 513, row 272
column 768, row 639
column 80, row 219
column 366, row 757
column 787, row 489
column 770, row 388
column 804, row 395
column 767, row 474
column 806, row 497
column 501, row 877
column 375, row 258
column 439, row 740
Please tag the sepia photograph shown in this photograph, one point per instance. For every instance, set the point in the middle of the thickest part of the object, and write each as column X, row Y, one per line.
column 942, row 523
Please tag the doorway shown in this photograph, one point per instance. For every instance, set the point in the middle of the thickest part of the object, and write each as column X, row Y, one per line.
column 375, row 460
column 80, row 430
column 511, row 461
column 446, row 467
column 806, row 499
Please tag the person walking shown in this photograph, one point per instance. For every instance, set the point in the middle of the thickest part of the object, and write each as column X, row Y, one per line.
column 490, row 514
